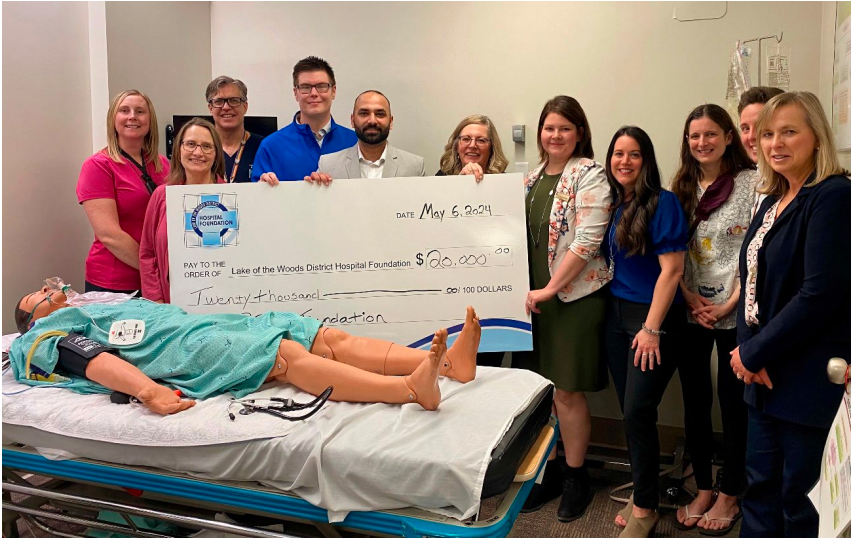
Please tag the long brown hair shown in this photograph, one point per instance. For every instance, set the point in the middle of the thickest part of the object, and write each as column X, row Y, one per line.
column 735, row 158
column 571, row 110
column 632, row 232
column 177, row 174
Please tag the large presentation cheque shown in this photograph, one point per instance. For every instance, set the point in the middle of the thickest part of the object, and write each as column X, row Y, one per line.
column 391, row 258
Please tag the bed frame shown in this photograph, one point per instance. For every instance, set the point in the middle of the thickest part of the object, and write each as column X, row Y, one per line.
column 77, row 489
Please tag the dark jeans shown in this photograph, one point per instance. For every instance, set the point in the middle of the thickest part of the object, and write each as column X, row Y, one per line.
column 782, row 465
column 695, row 376
column 90, row 287
column 640, row 392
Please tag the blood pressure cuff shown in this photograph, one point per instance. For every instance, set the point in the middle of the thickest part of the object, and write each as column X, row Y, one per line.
column 76, row 351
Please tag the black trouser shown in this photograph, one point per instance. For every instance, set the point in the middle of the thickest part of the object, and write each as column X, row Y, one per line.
column 695, row 375
column 640, row 392
column 91, row 287
column 782, row 466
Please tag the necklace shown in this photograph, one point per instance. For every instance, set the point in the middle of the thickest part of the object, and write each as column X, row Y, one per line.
column 535, row 238
column 611, row 267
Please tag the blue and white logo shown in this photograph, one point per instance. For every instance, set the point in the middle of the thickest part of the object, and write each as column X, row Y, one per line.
column 210, row 220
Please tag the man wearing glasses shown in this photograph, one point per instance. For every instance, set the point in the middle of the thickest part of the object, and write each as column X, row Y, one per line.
column 227, row 100
column 294, row 151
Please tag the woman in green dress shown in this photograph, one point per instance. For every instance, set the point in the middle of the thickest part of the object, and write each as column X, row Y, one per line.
column 568, row 208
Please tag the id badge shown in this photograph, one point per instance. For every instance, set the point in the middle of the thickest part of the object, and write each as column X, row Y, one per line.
column 127, row 332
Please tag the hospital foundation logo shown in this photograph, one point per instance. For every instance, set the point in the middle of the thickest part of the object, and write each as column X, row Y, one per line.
column 210, row 220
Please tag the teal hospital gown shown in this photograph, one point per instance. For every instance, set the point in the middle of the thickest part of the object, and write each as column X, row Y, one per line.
column 201, row 355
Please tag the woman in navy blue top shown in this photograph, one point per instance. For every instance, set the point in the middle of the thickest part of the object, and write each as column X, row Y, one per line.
column 793, row 314
column 644, row 246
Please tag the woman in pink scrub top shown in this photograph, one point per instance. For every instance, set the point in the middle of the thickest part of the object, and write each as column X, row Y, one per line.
column 114, row 188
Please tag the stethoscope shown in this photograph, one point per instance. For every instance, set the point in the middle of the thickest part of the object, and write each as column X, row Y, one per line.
column 278, row 406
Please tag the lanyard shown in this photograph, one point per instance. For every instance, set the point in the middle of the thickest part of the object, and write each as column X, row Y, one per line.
column 246, row 135
column 146, row 178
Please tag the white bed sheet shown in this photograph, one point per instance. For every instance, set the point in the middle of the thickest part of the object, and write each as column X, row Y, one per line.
column 348, row 457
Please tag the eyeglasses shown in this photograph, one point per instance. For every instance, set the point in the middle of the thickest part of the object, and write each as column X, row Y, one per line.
column 306, row 88
column 233, row 102
column 190, row 146
column 479, row 141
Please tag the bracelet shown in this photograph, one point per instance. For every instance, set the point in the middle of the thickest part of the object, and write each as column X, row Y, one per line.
column 657, row 333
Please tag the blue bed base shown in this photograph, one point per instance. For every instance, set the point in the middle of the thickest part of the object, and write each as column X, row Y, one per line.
column 279, row 504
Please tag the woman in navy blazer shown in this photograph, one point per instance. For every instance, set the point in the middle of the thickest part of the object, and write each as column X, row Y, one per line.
column 793, row 315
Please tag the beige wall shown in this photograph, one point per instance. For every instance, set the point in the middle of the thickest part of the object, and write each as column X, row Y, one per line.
column 47, row 135
column 626, row 62
column 162, row 49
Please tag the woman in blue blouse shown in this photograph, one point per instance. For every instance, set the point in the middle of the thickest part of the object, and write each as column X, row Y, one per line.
column 644, row 245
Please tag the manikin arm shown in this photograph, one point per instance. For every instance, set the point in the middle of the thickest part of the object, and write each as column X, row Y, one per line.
column 116, row 374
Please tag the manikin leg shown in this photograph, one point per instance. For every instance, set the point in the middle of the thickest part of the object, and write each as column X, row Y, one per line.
column 386, row 358
column 314, row 374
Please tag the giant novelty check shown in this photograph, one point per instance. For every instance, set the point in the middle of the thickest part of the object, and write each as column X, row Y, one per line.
column 391, row 258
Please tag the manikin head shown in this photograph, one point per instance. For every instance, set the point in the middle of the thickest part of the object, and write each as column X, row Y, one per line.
column 36, row 305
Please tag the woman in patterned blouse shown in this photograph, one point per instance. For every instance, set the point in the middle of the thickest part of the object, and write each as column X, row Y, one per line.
column 716, row 186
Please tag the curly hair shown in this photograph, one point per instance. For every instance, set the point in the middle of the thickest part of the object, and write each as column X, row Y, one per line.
column 632, row 232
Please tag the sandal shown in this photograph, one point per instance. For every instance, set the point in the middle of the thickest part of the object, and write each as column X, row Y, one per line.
column 640, row 527
column 687, row 515
column 627, row 511
column 720, row 532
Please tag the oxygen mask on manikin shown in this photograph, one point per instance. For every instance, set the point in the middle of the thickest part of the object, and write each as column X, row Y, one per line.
column 75, row 299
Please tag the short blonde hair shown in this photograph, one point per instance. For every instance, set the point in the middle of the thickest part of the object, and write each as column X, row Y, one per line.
column 150, row 146
column 450, row 163
column 825, row 159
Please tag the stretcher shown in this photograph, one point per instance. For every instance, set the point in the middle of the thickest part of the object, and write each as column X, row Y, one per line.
column 81, row 486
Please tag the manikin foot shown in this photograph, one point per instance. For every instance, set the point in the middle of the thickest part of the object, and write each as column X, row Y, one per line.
column 461, row 360
column 423, row 382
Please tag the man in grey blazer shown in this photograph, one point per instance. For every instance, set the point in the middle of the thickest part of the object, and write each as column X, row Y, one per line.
column 372, row 156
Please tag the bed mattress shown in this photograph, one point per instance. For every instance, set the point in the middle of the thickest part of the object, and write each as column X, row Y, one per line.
column 355, row 457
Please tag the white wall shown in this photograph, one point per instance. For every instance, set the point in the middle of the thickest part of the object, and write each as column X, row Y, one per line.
column 47, row 125
column 626, row 62
column 162, row 49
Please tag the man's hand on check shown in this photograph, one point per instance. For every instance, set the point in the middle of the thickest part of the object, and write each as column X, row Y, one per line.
column 319, row 178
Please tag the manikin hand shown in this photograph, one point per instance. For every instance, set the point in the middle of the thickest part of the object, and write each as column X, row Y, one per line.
column 318, row 178
column 163, row 400
column 269, row 178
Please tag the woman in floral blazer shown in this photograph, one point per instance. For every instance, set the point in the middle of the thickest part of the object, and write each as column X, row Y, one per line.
column 568, row 208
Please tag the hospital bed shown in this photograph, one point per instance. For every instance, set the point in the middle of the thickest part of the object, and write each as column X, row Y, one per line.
column 233, row 488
